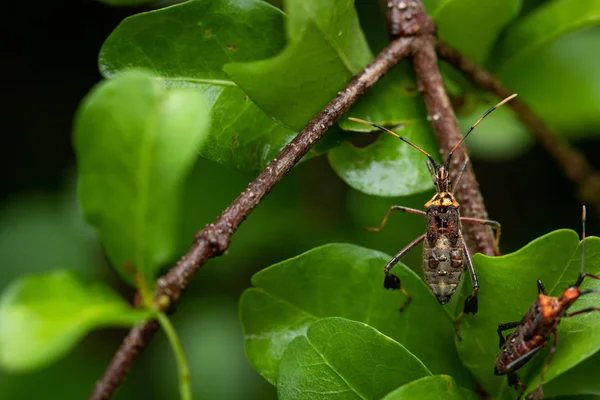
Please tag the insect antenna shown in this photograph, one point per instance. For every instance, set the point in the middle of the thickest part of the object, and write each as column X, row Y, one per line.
column 582, row 270
column 488, row 112
column 362, row 121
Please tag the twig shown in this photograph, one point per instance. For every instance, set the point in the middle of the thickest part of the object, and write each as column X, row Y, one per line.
column 573, row 164
column 214, row 239
column 443, row 122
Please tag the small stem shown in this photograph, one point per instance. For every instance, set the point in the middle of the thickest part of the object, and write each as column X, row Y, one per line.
column 185, row 389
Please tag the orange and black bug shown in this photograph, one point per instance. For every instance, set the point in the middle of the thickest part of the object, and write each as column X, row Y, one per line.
column 532, row 333
column 445, row 255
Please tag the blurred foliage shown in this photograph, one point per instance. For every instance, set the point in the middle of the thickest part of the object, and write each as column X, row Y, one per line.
column 262, row 72
column 440, row 387
column 44, row 316
column 136, row 143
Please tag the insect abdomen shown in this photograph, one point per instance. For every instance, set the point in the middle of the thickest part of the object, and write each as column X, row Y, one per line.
column 443, row 264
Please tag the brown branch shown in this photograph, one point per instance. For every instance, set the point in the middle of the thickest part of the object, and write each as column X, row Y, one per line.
column 214, row 239
column 413, row 18
column 573, row 164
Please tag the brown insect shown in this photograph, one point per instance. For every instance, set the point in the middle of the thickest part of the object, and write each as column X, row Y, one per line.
column 532, row 333
column 445, row 255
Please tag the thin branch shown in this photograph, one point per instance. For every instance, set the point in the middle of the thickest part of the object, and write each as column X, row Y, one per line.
column 214, row 239
column 573, row 164
column 444, row 123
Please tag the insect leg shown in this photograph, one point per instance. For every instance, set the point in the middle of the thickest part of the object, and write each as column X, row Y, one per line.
column 514, row 381
column 460, row 174
column 389, row 212
column 471, row 304
column 550, row 355
column 504, row 327
column 392, row 281
column 541, row 287
column 494, row 224
column 585, row 310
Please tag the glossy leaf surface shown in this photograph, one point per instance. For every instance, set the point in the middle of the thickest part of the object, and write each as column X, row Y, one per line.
column 388, row 166
column 343, row 359
column 325, row 48
column 186, row 46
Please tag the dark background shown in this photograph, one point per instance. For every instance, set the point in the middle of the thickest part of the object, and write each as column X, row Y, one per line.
column 49, row 62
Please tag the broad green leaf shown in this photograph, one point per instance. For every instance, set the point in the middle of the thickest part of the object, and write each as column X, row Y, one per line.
column 508, row 288
column 135, row 143
column 326, row 47
column 42, row 317
column 547, row 23
column 342, row 280
column 186, row 46
column 387, row 167
column 439, row 387
column 472, row 26
column 560, row 82
column 343, row 359
column 581, row 379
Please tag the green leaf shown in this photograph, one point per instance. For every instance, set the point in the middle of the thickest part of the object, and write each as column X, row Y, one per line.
column 471, row 26
column 342, row 280
column 544, row 25
column 560, row 82
column 136, row 142
column 326, row 47
column 581, row 379
column 387, row 167
column 338, row 358
column 186, row 46
column 43, row 317
column 508, row 288
column 439, row 387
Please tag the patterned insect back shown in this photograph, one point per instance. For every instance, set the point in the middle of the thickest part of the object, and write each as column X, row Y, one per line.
column 443, row 254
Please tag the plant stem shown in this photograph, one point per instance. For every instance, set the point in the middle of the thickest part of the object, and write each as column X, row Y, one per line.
column 185, row 389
